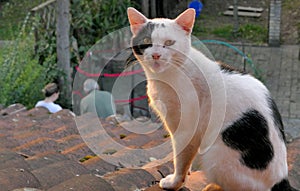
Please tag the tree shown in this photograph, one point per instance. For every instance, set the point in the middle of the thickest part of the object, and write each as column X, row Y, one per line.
column 63, row 47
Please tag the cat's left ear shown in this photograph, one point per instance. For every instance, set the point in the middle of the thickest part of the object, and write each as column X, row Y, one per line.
column 186, row 20
column 136, row 20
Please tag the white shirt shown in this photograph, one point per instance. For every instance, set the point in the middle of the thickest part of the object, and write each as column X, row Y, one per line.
column 52, row 107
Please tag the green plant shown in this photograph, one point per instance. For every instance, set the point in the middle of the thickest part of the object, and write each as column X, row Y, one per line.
column 21, row 77
column 91, row 20
column 87, row 157
column 255, row 33
column 224, row 31
column 122, row 136
column 12, row 15
column 31, row 63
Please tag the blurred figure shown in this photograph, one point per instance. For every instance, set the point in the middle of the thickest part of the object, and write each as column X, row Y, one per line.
column 51, row 93
column 197, row 5
column 100, row 102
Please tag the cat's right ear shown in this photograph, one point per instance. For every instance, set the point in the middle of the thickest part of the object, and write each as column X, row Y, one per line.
column 136, row 20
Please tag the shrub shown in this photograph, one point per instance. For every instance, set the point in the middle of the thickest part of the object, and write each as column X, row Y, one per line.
column 21, row 77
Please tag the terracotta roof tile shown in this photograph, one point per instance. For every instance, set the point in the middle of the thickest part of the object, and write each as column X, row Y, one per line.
column 13, row 178
column 85, row 182
column 43, row 159
column 42, row 151
column 39, row 145
column 58, row 172
column 11, row 159
column 13, row 109
column 99, row 166
column 7, row 142
column 131, row 179
column 78, row 151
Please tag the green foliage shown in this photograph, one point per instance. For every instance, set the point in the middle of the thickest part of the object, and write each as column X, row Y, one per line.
column 91, row 20
column 87, row 157
column 224, row 32
column 254, row 33
column 249, row 32
column 12, row 15
column 122, row 136
column 28, row 65
column 21, row 77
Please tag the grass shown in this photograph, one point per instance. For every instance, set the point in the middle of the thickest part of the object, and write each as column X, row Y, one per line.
column 250, row 32
column 223, row 32
column 291, row 4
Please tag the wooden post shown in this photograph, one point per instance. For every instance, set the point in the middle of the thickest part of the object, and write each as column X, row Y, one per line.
column 63, row 48
column 153, row 8
column 145, row 7
column 274, row 22
column 235, row 16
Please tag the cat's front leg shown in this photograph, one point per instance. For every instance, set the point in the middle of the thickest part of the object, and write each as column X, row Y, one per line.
column 172, row 182
column 182, row 161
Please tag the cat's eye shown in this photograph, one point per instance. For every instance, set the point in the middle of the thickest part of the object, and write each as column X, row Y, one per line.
column 169, row 42
column 147, row 40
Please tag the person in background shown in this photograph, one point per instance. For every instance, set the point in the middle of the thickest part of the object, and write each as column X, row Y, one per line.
column 51, row 93
column 96, row 101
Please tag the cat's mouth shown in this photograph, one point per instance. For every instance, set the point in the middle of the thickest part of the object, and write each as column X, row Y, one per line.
column 157, row 66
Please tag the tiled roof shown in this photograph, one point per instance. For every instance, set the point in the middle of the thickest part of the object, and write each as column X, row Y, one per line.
column 43, row 151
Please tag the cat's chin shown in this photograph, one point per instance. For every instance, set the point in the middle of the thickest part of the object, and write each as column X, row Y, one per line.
column 157, row 67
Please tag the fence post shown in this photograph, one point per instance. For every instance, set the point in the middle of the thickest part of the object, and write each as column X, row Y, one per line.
column 145, row 7
column 274, row 22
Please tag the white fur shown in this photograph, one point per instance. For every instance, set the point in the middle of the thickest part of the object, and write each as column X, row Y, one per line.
column 197, row 101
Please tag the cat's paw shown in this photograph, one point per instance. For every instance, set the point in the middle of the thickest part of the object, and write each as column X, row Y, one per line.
column 171, row 182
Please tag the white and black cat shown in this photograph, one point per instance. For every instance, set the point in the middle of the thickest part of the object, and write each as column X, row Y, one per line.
column 205, row 105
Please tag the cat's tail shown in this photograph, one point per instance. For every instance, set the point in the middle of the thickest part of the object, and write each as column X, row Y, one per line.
column 283, row 185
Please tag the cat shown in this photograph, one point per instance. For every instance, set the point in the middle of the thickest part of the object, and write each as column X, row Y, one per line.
column 227, row 116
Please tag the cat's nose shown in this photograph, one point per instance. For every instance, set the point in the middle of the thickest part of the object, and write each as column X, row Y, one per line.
column 156, row 56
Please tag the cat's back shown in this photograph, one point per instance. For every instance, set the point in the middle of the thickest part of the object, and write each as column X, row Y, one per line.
column 244, row 88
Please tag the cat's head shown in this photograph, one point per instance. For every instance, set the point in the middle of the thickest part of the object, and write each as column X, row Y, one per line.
column 160, row 43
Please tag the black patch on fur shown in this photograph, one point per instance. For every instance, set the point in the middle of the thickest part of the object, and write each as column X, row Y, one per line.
column 277, row 118
column 229, row 69
column 284, row 185
column 250, row 136
column 138, row 44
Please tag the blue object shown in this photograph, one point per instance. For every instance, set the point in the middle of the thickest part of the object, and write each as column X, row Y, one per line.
column 197, row 5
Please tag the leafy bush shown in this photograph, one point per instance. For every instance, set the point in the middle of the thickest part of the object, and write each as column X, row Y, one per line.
column 224, row 32
column 28, row 65
column 91, row 20
column 12, row 14
column 21, row 77
column 255, row 33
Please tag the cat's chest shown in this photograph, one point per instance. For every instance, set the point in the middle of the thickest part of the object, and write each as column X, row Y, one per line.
column 174, row 92
column 160, row 90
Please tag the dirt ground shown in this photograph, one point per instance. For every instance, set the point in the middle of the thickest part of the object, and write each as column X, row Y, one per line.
column 212, row 16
